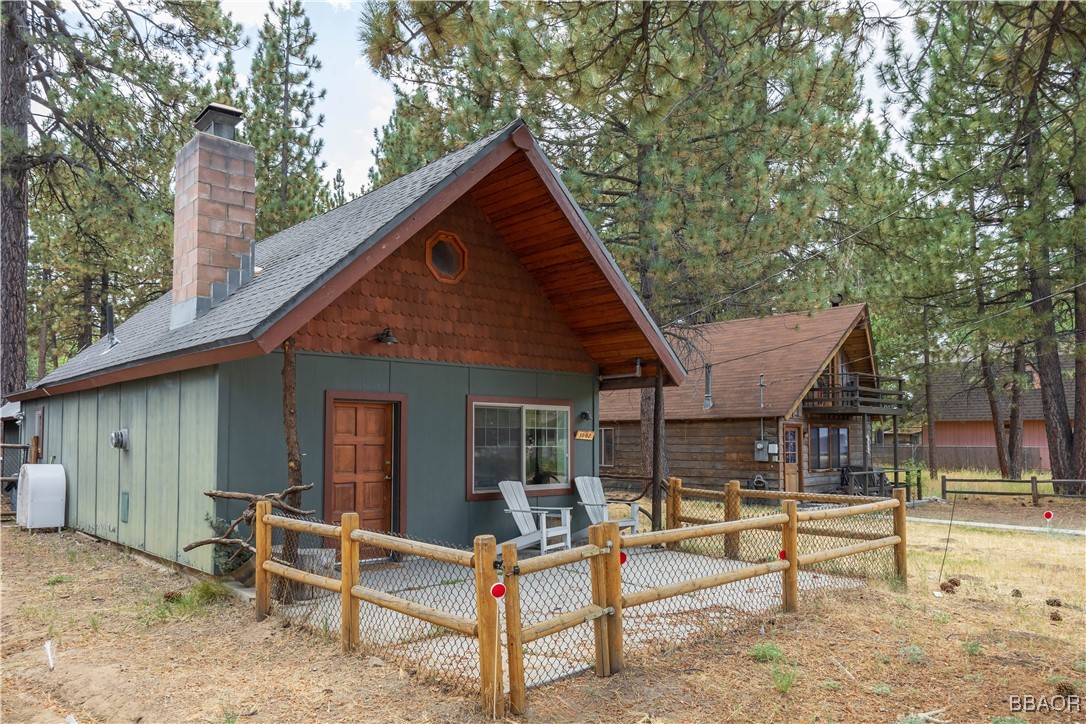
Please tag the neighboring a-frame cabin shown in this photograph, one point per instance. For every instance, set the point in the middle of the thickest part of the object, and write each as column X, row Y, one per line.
column 788, row 404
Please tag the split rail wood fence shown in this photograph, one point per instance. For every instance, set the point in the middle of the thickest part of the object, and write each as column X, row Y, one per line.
column 1033, row 491
column 604, row 552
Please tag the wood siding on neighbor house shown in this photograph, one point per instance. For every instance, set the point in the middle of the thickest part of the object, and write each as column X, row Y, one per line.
column 253, row 452
column 708, row 453
column 980, row 434
column 151, row 496
column 495, row 315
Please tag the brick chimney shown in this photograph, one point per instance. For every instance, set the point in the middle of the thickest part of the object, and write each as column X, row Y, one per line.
column 214, row 217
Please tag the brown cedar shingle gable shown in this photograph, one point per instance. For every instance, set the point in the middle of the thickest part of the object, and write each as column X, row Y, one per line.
column 791, row 350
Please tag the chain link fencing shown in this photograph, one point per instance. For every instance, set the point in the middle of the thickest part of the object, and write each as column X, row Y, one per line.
column 427, row 650
column 760, row 546
column 544, row 595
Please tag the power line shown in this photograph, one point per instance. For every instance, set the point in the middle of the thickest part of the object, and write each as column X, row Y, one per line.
column 876, row 222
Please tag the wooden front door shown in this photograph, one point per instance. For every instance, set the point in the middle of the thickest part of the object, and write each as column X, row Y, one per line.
column 362, row 465
column 792, row 457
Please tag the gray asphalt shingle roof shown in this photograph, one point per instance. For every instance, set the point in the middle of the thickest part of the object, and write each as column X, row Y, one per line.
column 294, row 263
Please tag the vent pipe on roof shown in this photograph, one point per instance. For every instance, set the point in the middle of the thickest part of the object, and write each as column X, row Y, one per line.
column 708, row 387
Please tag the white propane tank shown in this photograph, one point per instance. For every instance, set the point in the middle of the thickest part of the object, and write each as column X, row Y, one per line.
column 40, row 501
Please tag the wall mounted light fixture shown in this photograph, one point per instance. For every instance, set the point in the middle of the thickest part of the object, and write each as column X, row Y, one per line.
column 386, row 337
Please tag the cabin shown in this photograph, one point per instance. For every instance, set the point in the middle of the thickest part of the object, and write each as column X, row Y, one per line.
column 451, row 331
column 783, row 402
column 964, row 433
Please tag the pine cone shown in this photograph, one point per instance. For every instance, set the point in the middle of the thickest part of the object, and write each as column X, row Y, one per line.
column 1066, row 688
column 946, row 587
column 171, row 596
column 954, row 582
column 1054, row 602
column 1016, row 593
column 1055, row 616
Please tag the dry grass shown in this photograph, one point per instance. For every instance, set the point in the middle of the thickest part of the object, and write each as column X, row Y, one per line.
column 875, row 654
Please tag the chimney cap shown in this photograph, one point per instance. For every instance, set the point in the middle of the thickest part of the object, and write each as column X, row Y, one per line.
column 219, row 119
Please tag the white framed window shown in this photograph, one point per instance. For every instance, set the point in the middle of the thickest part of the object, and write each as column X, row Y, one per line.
column 607, row 447
column 523, row 441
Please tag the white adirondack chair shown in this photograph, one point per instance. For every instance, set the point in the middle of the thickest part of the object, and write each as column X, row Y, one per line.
column 534, row 521
column 597, row 506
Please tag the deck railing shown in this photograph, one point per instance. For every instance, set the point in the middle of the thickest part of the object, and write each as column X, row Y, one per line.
column 856, row 393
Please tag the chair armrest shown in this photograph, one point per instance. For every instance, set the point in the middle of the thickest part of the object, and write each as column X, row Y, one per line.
column 544, row 507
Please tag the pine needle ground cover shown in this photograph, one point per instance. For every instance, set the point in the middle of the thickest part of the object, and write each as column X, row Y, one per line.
column 871, row 654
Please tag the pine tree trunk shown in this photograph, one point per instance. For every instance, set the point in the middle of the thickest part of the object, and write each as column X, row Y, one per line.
column 45, row 311
column 1078, row 446
column 929, row 402
column 287, row 589
column 1016, row 452
column 14, row 116
column 1047, row 364
column 103, row 303
column 86, row 313
column 988, row 377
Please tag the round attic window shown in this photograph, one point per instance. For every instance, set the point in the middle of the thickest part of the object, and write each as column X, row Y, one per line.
column 446, row 257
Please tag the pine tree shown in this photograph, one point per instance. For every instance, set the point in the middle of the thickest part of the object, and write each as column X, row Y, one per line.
column 114, row 88
column 997, row 135
column 281, row 123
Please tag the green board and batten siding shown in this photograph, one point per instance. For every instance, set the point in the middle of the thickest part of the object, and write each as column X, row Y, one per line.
column 221, row 427
column 159, row 481
column 253, row 452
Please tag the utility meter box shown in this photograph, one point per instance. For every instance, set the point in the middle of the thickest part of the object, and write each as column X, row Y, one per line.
column 774, row 452
column 761, row 451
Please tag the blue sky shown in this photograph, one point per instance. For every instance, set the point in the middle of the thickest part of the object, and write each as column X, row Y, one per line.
column 357, row 100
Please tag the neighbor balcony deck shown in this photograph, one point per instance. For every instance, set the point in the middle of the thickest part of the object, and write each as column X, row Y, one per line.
column 856, row 393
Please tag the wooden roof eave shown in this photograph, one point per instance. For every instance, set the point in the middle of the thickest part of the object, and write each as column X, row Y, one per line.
column 831, row 356
column 674, row 372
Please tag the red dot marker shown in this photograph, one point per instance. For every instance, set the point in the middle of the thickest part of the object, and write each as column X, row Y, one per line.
column 1048, row 515
column 622, row 557
column 497, row 590
column 784, row 555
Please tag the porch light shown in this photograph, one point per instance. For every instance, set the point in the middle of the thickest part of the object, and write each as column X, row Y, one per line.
column 386, row 337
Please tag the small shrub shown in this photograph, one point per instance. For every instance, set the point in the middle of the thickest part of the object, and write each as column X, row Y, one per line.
column 193, row 602
column 95, row 622
column 1007, row 720
column 941, row 618
column 1079, row 666
column 766, row 653
column 913, row 654
column 831, row 685
column 882, row 689
column 57, row 580
column 972, row 647
column 783, row 678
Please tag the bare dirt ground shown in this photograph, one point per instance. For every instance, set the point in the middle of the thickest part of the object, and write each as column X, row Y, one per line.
column 870, row 655
column 1067, row 513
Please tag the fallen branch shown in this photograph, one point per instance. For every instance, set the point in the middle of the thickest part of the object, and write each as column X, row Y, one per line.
column 244, row 544
column 253, row 499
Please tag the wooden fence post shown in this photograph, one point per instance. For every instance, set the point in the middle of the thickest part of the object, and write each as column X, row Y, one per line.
column 349, row 636
column 944, row 486
column 901, row 563
column 732, row 512
column 674, row 506
column 597, row 537
column 490, row 655
column 263, row 553
column 513, row 629
column 612, row 575
column 1033, row 491
column 790, row 545
column 35, row 450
